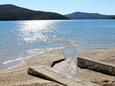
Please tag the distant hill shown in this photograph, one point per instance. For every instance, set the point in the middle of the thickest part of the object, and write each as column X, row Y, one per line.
column 12, row 12
column 83, row 15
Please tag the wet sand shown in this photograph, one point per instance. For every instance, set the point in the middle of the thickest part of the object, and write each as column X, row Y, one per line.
column 18, row 76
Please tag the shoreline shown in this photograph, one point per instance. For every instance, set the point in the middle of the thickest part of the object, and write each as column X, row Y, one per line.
column 19, row 74
column 22, row 61
column 83, row 53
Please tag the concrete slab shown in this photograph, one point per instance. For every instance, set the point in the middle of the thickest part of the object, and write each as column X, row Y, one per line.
column 99, row 66
column 47, row 73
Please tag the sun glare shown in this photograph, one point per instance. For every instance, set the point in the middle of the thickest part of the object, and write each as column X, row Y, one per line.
column 32, row 31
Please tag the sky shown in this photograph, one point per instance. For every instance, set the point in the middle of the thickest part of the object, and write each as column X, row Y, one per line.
column 66, row 6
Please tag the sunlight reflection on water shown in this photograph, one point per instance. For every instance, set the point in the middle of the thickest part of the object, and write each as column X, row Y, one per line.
column 32, row 31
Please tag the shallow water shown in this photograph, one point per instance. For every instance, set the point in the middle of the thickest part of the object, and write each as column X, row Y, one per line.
column 23, row 38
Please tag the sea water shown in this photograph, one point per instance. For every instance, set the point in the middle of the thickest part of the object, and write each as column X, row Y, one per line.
column 23, row 38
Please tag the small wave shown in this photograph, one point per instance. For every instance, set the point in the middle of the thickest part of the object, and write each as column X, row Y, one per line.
column 10, row 61
column 34, row 52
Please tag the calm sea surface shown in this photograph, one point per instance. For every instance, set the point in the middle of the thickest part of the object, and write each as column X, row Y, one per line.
column 22, row 38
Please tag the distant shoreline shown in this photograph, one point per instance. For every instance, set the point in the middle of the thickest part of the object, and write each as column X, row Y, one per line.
column 53, row 19
column 13, row 12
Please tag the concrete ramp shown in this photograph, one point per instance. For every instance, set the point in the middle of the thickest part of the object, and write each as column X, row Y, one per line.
column 47, row 73
column 96, row 65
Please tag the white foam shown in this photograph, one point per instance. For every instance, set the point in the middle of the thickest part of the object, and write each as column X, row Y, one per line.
column 31, row 53
column 10, row 61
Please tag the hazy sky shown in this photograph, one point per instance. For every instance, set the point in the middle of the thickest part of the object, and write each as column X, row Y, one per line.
column 66, row 6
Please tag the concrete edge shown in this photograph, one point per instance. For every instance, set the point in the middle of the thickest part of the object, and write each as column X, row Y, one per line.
column 99, row 66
